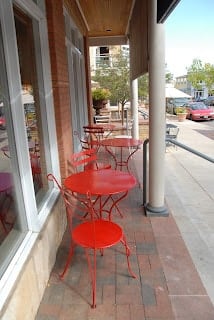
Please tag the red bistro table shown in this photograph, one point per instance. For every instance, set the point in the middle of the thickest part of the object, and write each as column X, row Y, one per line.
column 100, row 183
column 107, row 127
column 121, row 143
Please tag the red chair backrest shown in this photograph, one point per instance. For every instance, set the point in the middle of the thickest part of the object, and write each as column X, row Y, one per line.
column 93, row 133
column 85, row 160
column 83, row 142
column 74, row 208
column 35, row 163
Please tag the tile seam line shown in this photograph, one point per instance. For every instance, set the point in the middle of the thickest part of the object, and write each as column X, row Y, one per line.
column 188, row 295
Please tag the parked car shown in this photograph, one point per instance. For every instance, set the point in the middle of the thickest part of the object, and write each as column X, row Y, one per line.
column 199, row 111
column 209, row 101
column 173, row 103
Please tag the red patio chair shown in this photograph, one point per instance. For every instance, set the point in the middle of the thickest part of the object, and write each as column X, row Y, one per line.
column 96, row 234
column 83, row 141
column 87, row 160
column 94, row 135
column 36, row 169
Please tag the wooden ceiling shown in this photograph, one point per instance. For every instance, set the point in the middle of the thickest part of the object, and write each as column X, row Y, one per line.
column 106, row 18
column 109, row 19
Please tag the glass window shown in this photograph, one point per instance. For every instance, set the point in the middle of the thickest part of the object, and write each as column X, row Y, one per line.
column 9, row 218
column 29, row 71
column 26, row 125
column 75, row 54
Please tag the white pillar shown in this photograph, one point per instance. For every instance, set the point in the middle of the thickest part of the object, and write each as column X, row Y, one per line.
column 134, row 106
column 157, row 112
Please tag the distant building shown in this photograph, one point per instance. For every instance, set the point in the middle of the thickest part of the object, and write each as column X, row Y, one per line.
column 102, row 56
column 181, row 83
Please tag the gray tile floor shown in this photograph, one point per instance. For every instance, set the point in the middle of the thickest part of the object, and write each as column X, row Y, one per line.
column 173, row 256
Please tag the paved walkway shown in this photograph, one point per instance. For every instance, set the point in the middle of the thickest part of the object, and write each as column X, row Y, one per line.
column 172, row 256
column 190, row 196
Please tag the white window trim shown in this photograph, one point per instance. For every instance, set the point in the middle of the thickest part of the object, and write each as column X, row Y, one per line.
column 25, row 241
column 47, row 99
column 77, row 79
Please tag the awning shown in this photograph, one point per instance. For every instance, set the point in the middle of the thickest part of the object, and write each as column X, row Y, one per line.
column 172, row 92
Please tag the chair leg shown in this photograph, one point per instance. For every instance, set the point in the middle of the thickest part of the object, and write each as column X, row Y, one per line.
column 123, row 241
column 68, row 261
column 92, row 270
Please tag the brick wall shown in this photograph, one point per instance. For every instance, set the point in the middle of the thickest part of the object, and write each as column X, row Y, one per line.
column 60, row 80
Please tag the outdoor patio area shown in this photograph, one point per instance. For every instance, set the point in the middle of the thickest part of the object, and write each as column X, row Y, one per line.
column 167, row 285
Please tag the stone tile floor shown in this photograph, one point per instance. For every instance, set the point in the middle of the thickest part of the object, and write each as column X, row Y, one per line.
column 167, row 285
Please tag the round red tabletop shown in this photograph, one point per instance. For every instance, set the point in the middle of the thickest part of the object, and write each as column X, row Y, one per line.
column 5, row 181
column 105, row 126
column 121, row 142
column 100, row 182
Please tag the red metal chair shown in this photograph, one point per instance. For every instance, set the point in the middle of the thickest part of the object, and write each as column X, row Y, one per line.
column 36, row 169
column 87, row 160
column 83, row 141
column 95, row 234
column 94, row 135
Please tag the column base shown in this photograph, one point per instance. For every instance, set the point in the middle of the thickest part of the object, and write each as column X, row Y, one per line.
column 156, row 211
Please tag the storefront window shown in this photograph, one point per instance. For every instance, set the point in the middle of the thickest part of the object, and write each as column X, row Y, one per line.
column 9, row 218
column 29, row 71
column 28, row 149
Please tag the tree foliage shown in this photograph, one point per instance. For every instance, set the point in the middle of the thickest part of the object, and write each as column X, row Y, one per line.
column 209, row 77
column 195, row 74
column 143, row 87
column 168, row 77
column 199, row 73
column 115, row 77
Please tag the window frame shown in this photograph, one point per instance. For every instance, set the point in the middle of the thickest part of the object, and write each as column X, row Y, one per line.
column 20, row 243
column 74, row 42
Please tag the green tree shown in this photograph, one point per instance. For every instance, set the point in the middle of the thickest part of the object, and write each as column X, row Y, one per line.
column 116, row 78
column 143, row 87
column 209, row 77
column 196, row 74
column 168, row 77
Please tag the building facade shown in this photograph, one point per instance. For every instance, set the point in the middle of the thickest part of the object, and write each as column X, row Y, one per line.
column 44, row 55
column 184, row 85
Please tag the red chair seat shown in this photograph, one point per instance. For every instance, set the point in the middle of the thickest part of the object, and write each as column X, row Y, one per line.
column 99, row 234
column 91, row 235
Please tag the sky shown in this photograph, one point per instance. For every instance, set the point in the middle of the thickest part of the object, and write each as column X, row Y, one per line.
column 189, row 34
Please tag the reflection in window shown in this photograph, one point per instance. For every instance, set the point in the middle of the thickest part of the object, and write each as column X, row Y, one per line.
column 24, row 133
column 8, row 211
column 13, row 216
column 7, row 199
column 29, row 70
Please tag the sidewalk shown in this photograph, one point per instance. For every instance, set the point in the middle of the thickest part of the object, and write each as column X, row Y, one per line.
column 172, row 256
column 190, row 196
column 186, row 246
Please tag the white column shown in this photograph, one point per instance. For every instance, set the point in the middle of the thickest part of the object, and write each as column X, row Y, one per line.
column 134, row 106
column 156, row 34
